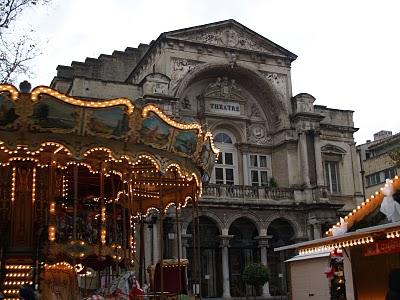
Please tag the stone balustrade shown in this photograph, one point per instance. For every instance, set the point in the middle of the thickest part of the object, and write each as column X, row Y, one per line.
column 246, row 192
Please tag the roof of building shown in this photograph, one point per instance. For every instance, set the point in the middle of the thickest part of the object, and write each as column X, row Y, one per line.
column 183, row 34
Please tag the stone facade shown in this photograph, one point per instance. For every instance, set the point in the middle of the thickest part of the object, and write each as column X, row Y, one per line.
column 377, row 166
column 287, row 167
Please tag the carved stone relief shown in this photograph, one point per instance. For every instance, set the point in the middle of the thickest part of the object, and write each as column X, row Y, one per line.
column 278, row 82
column 258, row 135
column 185, row 103
column 225, row 88
column 229, row 37
column 254, row 111
column 156, row 84
column 180, row 67
column 160, row 88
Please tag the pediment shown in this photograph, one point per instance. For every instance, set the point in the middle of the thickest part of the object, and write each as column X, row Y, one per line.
column 230, row 34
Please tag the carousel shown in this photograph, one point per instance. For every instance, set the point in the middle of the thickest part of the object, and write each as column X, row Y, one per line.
column 78, row 178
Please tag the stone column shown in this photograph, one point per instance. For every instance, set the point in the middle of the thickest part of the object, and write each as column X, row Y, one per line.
column 156, row 243
column 263, row 245
column 246, row 179
column 226, row 294
column 304, row 159
column 185, row 244
column 318, row 160
column 148, row 245
column 172, row 240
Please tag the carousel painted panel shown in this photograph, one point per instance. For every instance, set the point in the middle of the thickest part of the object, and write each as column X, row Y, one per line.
column 7, row 111
column 155, row 132
column 185, row 142
column 55, row 116
column 112, row 122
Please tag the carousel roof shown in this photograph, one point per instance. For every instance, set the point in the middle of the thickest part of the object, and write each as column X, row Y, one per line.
column 161, row 158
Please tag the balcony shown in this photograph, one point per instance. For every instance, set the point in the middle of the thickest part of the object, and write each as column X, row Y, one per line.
column 246, row 192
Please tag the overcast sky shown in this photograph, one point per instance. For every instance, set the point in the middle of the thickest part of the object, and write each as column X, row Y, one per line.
column 348, row 51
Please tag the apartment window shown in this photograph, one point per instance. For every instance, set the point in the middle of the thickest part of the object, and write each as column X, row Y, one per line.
column 225, row 167
column 258, row 170
column 381, row 176
column 374, row 179
column 390, row 173
column 332, row 176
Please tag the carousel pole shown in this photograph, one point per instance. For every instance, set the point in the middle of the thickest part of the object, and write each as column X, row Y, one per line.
column 178, row 235
column 198, row 244
column 161, row 239
column 75, row 202
column 113, row 197
column 194, row 249
column 132, row 256
column 123, row 211
column 141, row 254
column 103, row 232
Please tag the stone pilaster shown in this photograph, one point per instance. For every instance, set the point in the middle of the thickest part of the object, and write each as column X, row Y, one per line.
column 317, row 230
column 305, row 171
column 263, row 245
column 318, row 160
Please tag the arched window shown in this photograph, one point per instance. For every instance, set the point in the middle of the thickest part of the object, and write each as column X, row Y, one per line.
column 222, row 138
column 332, row 156
column 225, row 170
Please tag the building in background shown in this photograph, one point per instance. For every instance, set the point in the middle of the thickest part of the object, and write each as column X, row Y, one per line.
column 377, row 165
column 287, row 167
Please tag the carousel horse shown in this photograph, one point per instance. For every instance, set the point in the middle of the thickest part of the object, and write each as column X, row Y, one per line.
column 60, row 284
column 118, row 290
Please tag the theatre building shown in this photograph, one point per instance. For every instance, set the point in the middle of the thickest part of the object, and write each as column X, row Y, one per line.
column 287, row 167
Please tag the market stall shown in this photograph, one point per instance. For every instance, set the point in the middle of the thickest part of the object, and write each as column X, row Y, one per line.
column 363, row 247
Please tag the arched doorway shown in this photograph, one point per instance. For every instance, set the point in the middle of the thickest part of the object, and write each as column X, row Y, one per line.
column 281, row 232
column 210, row 258
column 243, row 251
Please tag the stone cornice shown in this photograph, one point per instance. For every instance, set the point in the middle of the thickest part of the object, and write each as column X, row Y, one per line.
column 338, row 128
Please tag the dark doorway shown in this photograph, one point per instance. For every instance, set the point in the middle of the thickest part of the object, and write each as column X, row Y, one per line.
column 243, row 251
column 210, row 258
column 282, row 233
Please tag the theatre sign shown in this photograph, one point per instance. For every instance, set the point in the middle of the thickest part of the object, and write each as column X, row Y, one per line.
column 224, row 107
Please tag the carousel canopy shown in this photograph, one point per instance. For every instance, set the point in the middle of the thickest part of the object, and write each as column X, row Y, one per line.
column 155, row 158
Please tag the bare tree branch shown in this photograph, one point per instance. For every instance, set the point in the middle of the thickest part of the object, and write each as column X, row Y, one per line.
column 16, row 50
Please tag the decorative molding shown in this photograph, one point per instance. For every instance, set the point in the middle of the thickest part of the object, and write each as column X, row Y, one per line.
column 224, row 88
column 333, row 149
column 179, row 68
column 229, row 37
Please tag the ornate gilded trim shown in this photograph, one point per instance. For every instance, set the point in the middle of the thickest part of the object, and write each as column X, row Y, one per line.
column 78, row 102
column 12, row 90
column 152, row 108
